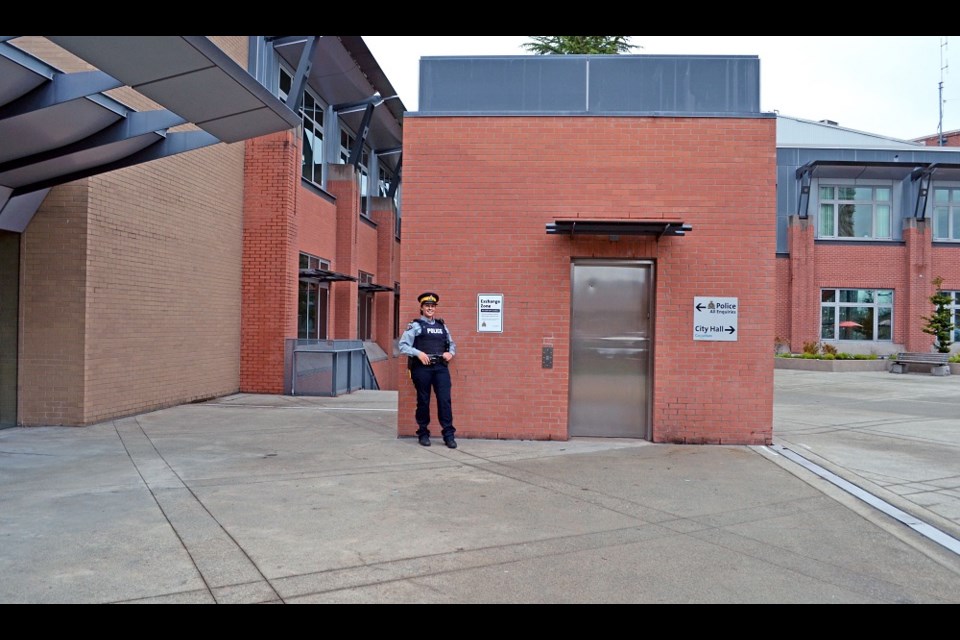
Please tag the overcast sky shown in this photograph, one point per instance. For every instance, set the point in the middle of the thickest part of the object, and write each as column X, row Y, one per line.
column 888, row 85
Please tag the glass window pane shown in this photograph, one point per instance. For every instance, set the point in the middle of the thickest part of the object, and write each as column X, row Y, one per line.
column 828, row 295
column 955, row 195
column 884, row 323
column 883, row 221
column 863, row 221
column 883, row 195
column 885, row 296
column 863, row 194
column 827, row 324
column 941, row 195
column 826, row 193
column 826, row 221
column 852, row 325
column 846, row 226
column 941, row 222
column 846, row 193
column 956, row 225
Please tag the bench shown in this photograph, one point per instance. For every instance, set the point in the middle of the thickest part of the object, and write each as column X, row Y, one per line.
column 938, row 362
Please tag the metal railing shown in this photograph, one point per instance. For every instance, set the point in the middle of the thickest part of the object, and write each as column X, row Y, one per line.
column 327, row 368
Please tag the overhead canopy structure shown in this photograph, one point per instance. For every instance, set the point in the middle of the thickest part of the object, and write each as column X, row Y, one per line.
column 325, row 275
column 866, row 170
column 657, row 228
column 342, row 69
column 57, row 127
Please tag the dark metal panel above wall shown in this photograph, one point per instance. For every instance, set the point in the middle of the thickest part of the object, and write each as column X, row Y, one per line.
column 591, row 85
column 503, row 84
column 675, row 84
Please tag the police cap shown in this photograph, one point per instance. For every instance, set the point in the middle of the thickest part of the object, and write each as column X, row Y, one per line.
column 428, row 298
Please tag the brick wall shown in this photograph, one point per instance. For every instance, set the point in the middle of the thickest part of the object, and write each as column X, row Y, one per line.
column 908, row 269
column 343, row 185
column 131, row 297
column 270, row 260
column 479, row 191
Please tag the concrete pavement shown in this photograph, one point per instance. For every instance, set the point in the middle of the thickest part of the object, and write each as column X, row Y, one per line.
column 263, row 499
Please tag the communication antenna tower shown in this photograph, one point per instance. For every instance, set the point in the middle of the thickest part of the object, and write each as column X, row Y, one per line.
column 943, row 67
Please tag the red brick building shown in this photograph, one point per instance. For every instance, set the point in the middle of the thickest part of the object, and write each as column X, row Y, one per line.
column 190, row 260
column 865, row 224
column 548, row 186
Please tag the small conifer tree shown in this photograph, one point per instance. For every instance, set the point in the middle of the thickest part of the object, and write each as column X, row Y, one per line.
column 940, row 323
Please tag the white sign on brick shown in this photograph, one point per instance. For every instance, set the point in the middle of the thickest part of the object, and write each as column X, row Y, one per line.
column 715, row 319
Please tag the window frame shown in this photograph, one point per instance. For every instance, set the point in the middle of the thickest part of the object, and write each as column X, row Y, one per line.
column 837, row 202
column 954, row 308
column 312, row 115
column 841, row 310
column 316, row 305
column 364, row 308
column 953, row 212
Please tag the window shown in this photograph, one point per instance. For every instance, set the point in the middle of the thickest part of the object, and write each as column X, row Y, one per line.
column 365, row 311
column 946, row 214
column 856, row 314
column 396, row 310
column 311, row 114
column 954, row 307
column 855, row 211
column 312, row 302
column 347, row 141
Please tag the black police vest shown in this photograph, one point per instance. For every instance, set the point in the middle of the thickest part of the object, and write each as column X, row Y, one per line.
column 432, row 339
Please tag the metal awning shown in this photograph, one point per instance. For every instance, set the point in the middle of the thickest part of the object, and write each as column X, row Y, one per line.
column 657, row 228
column 323, row 275
column 925, row 175
column 940, row 171
column 57, row 127
column 374, row 288
column 853, row 170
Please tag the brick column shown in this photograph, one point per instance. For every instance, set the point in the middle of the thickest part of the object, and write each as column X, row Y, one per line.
column 804, row 294
column 388, row 272
column 270, row 260
column 909, row 324
column 342, row 182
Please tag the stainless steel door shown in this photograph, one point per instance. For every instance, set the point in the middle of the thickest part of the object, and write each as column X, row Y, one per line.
column 610, row 341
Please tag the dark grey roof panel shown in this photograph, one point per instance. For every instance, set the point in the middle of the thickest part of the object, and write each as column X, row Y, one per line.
column 17, row 211
column 344, row 71
column 709, row 86
column 53, row 127
column 190, row 76
column 56, row 127
column 18, row 80
column 71, row 163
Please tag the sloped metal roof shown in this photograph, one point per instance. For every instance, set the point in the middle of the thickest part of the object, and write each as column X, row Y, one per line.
column 57, row 127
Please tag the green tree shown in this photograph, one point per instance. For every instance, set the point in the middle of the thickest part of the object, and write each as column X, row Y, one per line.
column 940, row 324
column 561, row 45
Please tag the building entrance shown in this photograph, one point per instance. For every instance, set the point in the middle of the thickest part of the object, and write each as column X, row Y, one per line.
column 9, row 301
column 611, row 336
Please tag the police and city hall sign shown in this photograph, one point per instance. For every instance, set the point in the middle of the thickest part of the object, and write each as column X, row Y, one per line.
column 715, row 319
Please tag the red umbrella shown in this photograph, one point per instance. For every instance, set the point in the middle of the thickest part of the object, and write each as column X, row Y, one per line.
column 849, row 324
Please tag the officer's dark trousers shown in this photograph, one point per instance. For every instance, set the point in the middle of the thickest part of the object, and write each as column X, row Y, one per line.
column 436, row 377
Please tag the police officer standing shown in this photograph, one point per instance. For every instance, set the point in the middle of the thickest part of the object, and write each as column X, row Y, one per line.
column 430, row 348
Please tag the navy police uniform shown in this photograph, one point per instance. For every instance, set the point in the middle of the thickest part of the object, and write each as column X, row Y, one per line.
column 430, row 336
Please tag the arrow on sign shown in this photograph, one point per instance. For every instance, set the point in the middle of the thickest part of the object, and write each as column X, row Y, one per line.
column 730, row 330
column 700, row 307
